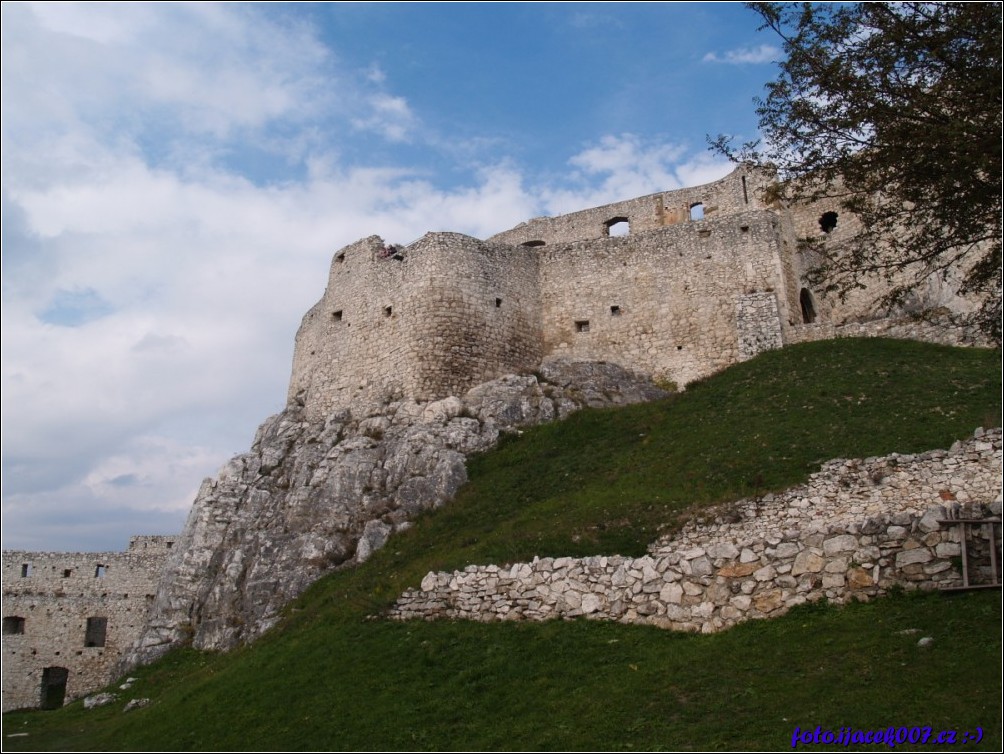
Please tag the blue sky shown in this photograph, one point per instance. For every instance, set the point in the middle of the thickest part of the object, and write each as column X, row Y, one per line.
column 177, row 177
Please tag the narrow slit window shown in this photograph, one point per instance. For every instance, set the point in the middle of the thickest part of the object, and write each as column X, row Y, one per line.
column 498, row 303
column 100, row 570
column 532, row 244
column 25, row 570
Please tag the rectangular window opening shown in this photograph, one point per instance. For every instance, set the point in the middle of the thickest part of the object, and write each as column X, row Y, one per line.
column 582, row 325
column 96, row 630
column 615, row 311
column 25, row 570
column 100, row 571
column 13, row 624
column 337, row 317
column 340, row 258
column 498, row 303
column 388, row 311
column 67, row 572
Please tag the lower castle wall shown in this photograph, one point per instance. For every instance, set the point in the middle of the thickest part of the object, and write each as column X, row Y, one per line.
column 48, row 598
column 855, row 530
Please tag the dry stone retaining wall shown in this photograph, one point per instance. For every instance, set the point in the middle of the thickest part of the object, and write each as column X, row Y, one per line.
column 855, row 530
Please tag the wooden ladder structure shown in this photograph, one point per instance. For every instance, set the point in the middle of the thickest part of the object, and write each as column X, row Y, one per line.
column 965, row 527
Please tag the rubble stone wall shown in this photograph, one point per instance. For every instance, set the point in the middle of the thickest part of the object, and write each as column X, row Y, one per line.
column 855, row 530
column 663, row 302
column 740, row 191
column 424, row 321
column 48, row 599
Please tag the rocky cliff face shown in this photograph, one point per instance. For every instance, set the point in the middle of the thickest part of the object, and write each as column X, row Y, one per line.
column 314, row 495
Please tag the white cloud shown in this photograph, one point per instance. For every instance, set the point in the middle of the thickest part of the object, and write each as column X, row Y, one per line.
column 625, row 166
column 764, row 53
column 388, row 115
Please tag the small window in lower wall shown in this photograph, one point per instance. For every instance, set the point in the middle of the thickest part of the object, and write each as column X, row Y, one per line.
column 582, row 325
column 13, row 624
column 96, row 629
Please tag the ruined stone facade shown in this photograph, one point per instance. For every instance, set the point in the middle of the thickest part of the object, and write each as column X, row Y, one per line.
column 675, row 285
column 68, row 618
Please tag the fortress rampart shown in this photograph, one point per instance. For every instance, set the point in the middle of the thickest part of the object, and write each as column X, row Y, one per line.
column 670, row 298
column 435, row 318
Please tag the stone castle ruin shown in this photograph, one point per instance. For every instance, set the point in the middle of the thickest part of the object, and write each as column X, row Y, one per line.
column 69, row 617
column 415, row 357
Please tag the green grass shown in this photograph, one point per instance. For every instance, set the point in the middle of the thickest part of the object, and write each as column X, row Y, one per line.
column 606, row 482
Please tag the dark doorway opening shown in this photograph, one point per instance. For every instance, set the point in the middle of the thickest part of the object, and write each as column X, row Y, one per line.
column 808, row 306
column 53, row 687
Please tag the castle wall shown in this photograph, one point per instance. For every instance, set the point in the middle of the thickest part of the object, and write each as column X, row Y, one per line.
column 832, row 227
column 423, row 321
column 50, row 603
column 740, row 191
column 666, row 302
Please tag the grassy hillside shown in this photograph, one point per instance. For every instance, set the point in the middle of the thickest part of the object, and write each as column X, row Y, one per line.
column 606, row 482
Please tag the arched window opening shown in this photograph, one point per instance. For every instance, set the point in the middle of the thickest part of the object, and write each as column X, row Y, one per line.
column 808, row 306
column 697, row 211
column 617, row 226
column 828, row 221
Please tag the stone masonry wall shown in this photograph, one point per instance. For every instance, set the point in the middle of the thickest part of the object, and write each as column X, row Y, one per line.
column 48, row 598
column 664, row 301
column 855, row 530
column 678, row 296
column 428, row 320
column 740, row 191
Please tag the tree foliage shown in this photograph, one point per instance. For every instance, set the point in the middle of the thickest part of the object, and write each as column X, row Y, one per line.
column 894, row 110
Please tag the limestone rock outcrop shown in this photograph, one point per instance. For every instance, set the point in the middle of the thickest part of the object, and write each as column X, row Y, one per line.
column 311, row 496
